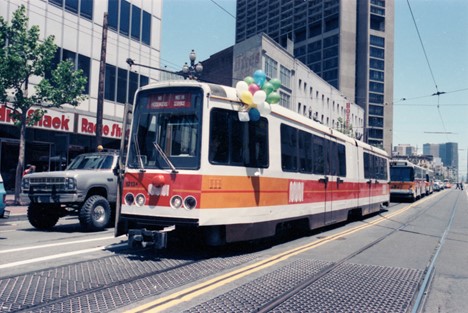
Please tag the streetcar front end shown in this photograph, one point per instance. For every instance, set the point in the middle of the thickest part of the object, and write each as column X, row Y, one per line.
column 160, row 183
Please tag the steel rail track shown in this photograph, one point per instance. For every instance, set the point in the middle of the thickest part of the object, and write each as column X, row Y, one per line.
column 423, row 284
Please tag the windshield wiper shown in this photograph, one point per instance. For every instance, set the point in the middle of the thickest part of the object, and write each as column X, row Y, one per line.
column 164, row 156
column 141, row 166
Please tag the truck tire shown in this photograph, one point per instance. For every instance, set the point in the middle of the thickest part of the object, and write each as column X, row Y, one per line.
column 41, row 216
column 95, row 213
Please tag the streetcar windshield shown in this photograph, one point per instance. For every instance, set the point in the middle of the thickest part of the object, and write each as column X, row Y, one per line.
column 401, row 174
column 166, row 129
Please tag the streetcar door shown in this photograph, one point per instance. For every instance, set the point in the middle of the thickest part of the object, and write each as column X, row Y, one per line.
column 335, row 165
column 368, row 175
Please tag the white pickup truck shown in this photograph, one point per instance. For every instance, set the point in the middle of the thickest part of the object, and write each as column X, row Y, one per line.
column 87, row 188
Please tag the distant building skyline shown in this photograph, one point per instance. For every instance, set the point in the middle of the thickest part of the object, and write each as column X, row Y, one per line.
column 448, row 153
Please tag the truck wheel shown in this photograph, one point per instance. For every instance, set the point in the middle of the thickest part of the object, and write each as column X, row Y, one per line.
column 95, row 213
column 41, row 217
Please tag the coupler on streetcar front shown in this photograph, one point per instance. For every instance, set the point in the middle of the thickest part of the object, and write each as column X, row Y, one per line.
column 149, row 238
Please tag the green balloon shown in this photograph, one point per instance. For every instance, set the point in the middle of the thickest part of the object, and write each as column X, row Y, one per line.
column 249, row 80
column 268, row 88
column 273, row 97
column 276, row 83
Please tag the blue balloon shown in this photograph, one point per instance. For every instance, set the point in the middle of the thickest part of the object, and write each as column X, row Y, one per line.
column 259, row 77
column 254, row 115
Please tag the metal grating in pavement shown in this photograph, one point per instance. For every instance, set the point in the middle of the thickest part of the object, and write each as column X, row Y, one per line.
column 105, row 284
column 358, row 288
column 347, row 288
column 252, row 295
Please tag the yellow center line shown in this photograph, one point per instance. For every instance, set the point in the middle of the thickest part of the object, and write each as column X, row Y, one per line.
column 188, row 294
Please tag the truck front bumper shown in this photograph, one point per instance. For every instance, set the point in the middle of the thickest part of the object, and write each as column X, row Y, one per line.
column 52, row 198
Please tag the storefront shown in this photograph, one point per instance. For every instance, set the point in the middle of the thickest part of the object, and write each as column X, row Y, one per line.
column 52, row 142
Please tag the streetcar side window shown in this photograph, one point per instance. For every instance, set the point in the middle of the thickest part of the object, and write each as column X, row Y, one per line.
column 341, row 160
column 318, row 155
column 306, row 153
column 237, row 143
column 288, row 148
column 375, row 167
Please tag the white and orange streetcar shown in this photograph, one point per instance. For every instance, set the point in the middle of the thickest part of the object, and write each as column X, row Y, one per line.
column 196, row 164
column 409, row 181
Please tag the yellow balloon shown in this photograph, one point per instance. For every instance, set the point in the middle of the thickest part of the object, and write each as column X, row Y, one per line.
column 246, row 97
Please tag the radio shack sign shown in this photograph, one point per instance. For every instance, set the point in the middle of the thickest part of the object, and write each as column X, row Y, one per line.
column 67, row 122
column 87, row 126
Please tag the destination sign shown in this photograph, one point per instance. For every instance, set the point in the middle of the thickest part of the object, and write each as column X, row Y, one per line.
column 169, row 101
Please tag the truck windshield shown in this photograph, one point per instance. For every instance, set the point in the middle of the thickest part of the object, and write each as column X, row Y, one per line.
column 167, row 119
column 91, row 162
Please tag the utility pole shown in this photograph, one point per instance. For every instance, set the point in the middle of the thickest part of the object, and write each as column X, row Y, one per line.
column 102, row 75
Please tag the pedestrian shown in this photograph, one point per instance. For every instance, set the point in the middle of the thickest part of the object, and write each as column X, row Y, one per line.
column 29, row 169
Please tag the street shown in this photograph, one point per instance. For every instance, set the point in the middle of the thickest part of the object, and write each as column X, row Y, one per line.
column 383, row 262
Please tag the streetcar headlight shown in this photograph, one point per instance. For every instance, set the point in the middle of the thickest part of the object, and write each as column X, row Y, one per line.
column 190, row 203
column 129, row 199
column 176, row 202
column 140, row 200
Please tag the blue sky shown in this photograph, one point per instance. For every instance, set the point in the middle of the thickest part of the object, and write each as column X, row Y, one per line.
column 443, row 25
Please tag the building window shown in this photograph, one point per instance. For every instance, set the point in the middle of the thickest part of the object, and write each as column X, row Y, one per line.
column 124, row 25
column 377, row 10
column 376, row 133
column 81, row 62
column 376, row 75
column 136, row 25
column 84, row 64
column 109, row 88
column 377, row 22
column 285, row 76
column 85, row 7
column 375, row 98
column 271, row 67
column 378, row 2
column 285, row 100
column 136, row 22
column 121, row 85
column 376, row 110
column 376, row 87
column 377, row 41
column 376, row 121
column 113, row 14
column 377, row 53
column 377, row 64
column 146, row 29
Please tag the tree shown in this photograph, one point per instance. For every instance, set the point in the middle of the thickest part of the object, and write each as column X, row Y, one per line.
column 23, row 58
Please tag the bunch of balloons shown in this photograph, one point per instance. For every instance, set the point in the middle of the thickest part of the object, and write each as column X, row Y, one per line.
column 257, row 94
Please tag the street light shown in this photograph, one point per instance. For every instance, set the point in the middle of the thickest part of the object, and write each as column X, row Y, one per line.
column 192, row 71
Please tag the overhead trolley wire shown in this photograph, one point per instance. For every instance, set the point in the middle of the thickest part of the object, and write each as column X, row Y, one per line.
column 437, row 93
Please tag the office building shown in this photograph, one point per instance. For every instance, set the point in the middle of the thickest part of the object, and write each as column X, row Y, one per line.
column 134, row 31
column 349, row 43
column 302, row 90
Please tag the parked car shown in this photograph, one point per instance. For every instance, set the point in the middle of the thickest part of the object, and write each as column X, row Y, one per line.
column 3, row 211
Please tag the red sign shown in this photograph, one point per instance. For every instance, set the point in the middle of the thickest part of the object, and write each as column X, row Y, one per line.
column 52, row 120
column 170, row 101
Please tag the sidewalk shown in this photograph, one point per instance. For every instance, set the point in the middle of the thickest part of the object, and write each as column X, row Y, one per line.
column 15, row 210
